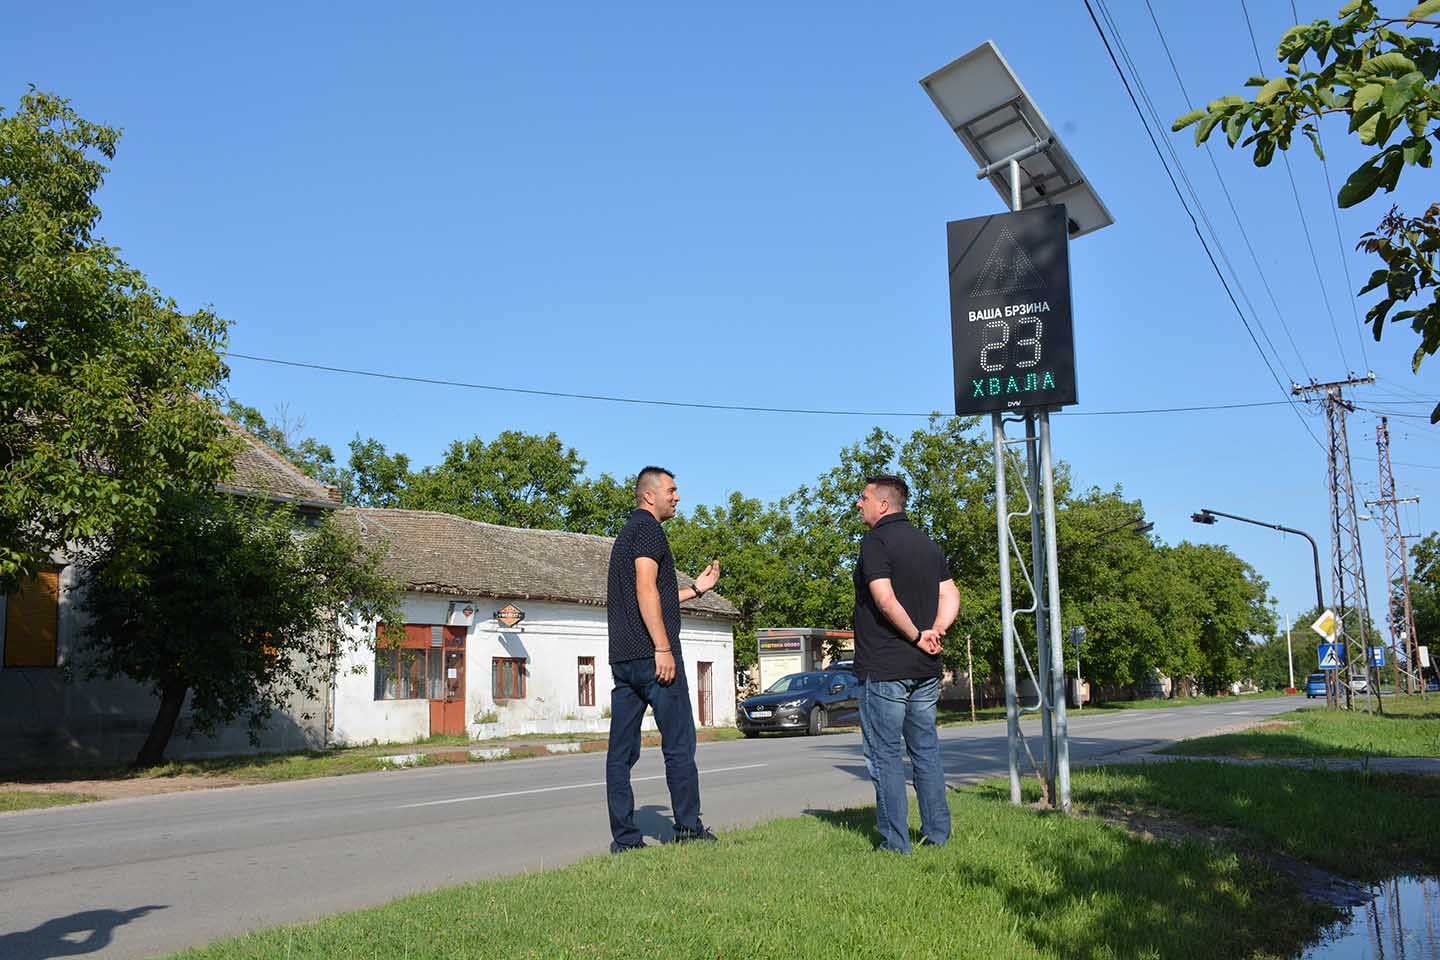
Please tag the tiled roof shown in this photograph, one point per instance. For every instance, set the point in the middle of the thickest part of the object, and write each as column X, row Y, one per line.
column 442, row 553
column 259, row 468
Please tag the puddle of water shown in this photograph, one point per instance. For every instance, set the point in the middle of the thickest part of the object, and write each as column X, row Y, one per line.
column 1400, row 922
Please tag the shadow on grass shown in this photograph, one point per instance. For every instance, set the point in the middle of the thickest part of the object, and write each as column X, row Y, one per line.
column 859, row 821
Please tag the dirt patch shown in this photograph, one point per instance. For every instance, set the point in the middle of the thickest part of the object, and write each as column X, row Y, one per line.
column 136, row 787
column 1313, row 882
column 1274, row 726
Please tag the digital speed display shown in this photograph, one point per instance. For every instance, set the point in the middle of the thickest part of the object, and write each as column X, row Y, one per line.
column 1010, row 328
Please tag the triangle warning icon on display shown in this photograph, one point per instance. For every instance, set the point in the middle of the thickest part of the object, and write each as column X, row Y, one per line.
column 1007, row 270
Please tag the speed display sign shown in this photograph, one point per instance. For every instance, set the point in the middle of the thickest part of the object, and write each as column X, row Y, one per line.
column 1010, row 328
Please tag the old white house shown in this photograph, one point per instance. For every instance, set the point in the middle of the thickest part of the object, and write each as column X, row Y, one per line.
column 505, row 632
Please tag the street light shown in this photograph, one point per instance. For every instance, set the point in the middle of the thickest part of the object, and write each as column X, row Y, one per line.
column 1207, row 517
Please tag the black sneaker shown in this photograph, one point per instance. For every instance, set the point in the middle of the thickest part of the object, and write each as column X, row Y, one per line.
column 702, row 834
column 617, row 848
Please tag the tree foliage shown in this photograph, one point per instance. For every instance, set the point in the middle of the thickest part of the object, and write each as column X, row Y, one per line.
column 243, row 609
column 1379, row 75
column 105, row 386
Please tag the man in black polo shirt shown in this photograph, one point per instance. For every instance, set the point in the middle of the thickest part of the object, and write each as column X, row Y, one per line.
column 643, row 609
column 905, row 600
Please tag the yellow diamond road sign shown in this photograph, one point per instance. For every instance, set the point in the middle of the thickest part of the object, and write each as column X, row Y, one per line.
column 1326, row 625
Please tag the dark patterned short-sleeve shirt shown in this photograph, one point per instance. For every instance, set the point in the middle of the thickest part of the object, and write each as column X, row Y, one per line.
column 629, row 639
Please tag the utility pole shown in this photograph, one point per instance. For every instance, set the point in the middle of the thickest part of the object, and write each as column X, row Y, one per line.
column 1289, row 651
column 1400, row 613
column 1347, row 566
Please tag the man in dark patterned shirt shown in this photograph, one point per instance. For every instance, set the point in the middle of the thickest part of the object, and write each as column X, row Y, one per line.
column 643, row 610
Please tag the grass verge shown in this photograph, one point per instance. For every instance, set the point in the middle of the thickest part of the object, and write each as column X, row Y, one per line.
column 1161, row 703
column 11, row 800
column 1410, row 727
column 1012, row 883
column 1361, row 826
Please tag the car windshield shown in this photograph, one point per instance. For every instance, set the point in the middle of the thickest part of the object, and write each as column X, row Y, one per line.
column 1317, row 677
column 796, row 682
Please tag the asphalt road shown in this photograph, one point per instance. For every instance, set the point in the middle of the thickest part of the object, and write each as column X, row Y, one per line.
column 149, row 875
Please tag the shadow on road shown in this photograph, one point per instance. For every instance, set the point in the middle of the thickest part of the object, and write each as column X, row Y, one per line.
column 79, row 933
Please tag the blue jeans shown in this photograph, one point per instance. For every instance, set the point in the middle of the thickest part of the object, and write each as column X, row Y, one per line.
column 892, row 712
column 635, row 689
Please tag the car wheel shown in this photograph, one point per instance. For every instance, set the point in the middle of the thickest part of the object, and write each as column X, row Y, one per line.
column 750, row 734
column 817, row 721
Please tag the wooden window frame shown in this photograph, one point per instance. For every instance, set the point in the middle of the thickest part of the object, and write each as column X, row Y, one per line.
column 497, row 664
column 587, row 680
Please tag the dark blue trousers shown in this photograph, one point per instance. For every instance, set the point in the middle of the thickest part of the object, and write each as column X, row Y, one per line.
column 635, row 689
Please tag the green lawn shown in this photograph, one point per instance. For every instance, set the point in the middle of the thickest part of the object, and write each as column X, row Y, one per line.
column 1410, row 727
column 1013, row 883
column 1359, row 825
column 34, row 799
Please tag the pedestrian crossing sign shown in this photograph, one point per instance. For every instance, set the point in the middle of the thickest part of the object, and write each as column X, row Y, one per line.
column 1330, row 655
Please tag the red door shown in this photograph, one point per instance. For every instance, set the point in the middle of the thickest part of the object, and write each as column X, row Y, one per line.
column 446, row 680
column 707, row 693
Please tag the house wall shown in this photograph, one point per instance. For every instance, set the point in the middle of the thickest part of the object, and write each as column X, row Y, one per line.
column 53, row 716
column 551, row 639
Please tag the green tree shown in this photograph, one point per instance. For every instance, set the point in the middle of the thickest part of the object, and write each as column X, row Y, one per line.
column 313, row 458
column 375, row 477
column 754, row 544
column 242, row 610
column 1382, row 81
column 1235, row 609
column 517, row 479
column 105, row 386
column 1425, row 591
column 601, row 506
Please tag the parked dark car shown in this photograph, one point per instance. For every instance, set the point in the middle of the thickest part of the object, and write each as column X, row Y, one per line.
column 1314, row 686
column 807, row 702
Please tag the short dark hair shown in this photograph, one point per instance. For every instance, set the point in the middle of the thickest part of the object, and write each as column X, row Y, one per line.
column 891, row 488
column 649, row 476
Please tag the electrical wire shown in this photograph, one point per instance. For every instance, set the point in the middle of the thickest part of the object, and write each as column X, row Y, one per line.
column 1234, row 211
column 1334, row 206
column 1299, row 208
column 1211, row 257
column 1179, row 167
column 698, row 405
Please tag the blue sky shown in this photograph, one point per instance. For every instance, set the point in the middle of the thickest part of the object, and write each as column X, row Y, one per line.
column 744, row 205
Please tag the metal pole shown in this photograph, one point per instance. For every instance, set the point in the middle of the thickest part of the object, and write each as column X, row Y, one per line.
column 1057, row 663
column 1289, row 652
column 1079, row 683
column 1002, row 525
column 1042, row 633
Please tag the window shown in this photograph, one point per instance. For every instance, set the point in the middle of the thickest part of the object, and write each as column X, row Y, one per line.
column 587, row 681
column 408, row 674
column 32, row 622
column 416, row 670
column 507, row 678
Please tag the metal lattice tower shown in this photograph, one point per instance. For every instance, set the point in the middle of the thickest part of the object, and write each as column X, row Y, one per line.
column 1399, row 611
column 1347, row 565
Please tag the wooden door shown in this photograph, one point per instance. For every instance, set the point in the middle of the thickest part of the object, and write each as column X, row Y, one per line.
column 707, row 693
column 446, row 680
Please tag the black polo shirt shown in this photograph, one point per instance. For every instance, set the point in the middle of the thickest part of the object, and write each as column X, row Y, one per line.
column 915, row 567
column 629, row 640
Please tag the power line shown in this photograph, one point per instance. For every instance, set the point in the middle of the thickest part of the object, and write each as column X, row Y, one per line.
column 1334, row 206
column 1234, row 211
column 698, row 405
column 1196, row 226
column 1179, row 167
column 1300, row 209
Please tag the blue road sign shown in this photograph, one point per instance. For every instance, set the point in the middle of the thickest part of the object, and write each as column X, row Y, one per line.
column 1377, row 656
column 1331, row 655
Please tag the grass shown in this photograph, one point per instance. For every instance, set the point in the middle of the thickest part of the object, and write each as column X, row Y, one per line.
column 1355, row 824
column 11, row 800
column 1012, row 883
column 1410, row 727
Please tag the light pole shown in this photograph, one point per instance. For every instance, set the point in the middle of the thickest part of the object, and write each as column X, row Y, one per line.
column 1207, row 516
